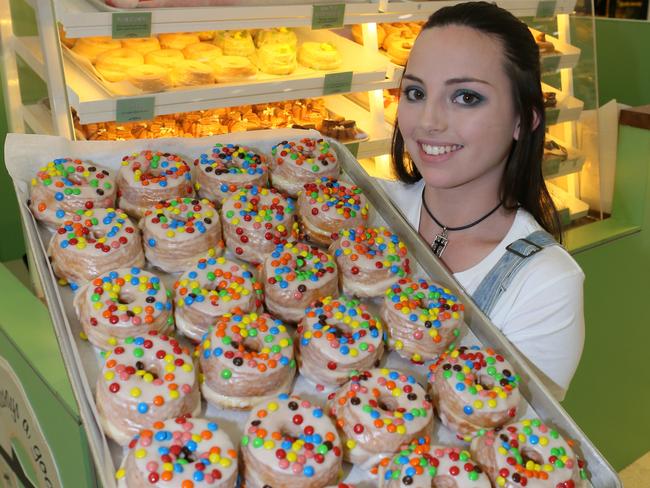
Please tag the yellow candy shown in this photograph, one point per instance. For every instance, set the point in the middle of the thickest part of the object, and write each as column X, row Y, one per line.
column 140, row 453
column 135, row 392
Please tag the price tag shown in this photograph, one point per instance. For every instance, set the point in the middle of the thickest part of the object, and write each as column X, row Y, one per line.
column 551, row 63
column 134, row 109
column 551, row 167
column 552, row 115
column 546, row 8
column 328, row 16
column 353, row 147
column 337, row 83
column 131, row 24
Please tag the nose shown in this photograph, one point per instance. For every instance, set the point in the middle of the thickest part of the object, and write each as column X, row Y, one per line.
column 434, row 116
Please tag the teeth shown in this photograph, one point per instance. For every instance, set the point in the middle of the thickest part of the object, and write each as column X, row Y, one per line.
column 438, row 150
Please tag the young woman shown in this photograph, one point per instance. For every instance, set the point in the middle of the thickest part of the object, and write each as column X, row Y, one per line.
column 467, row 149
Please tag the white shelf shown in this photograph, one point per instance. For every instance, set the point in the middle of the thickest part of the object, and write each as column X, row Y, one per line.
column 556, row 167
column 82, row 19
column 38, row 118
column 94, row 104
column 569, row 207
column 568, row 108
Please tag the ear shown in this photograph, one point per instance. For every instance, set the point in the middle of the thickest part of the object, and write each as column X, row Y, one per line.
column 535, row 125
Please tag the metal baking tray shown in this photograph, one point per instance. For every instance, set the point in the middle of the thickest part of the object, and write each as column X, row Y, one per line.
column 24, row 154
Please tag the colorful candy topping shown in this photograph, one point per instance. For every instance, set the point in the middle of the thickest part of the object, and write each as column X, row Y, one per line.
column 334, row 197
column 101, row 230
column 251, row 342
column 151, row 168
column 421, row 460
column 231, row 159
column 297, row 433
column 181, row 218
column 315, row 154
column 185, row 451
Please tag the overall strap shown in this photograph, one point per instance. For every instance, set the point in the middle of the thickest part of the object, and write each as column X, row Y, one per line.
column 498, row 279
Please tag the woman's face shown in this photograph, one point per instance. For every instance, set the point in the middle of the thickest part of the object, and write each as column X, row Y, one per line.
column 456, row 112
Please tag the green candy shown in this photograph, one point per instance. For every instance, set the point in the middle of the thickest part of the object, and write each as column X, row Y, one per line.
column 226, row 374
column 138, row 352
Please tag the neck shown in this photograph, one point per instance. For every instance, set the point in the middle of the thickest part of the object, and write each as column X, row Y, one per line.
column 455, row 209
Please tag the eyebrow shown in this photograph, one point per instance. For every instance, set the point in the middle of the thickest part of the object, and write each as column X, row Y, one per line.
column 451, row 81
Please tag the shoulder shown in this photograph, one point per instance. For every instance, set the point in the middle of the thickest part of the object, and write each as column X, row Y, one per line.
column 405, row 196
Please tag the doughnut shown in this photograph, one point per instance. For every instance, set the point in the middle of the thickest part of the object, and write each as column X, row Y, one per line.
column 206, row 35
column 395, row 28
column 143, row 45
column 192, row 73
column 276, row 35
column 529, row 453
column 357, row 34
column 398, row 45
column 276, row 59
column 370, row 260
column 227, row 168
column 327, row 205
column 92, row 242
column 123, row 303
column 421, row 464
column 213, row 287
column 166, row 58
column 113, row 64
column 178, row 40
column 150, row 77
column 320, row 56
column 295, row 163
column 545, row 47
column 377, row 411
column 246, row 359
column 180, row 452
column 91, row 47
column 237, row 43
column 176, row 233
column 66, row 185
column 289, row 442
column 474, row 389
column 203, row 52
column 229, row 69
column 145, row 379
column 338, row 336
column 423, row 318
column 294, row 276
column 147, row 177
column 255, row 220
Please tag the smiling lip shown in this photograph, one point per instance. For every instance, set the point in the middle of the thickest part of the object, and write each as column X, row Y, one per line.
column 438, row 152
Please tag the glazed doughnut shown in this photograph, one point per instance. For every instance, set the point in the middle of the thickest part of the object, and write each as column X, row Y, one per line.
column 338, row 336
column 276, row 59
column 237, row 43
column 177, row 40
column 212, row 288
column 229, row 69
column 421, row 465
column 66, row 185
column 321, row 56
column 246, row 359
column 206, row 35
column 398, row 45
column 394, row 28
column 123, row 303
column 295, row 163
column 192, row 73
column 474, row 389
column 378, row 411
column 166, row 58
column 370, row 260
column 423, row 319
column 92, row 242
column 147, row 177
column 290, row 443
column 357, row 34
column 143, row 45
column 227, row 168
column 529, row 453
column 91, row 47
column 276, row 35
column 180, row 452
column 150, row 77
column 203, row 52
column 113, row 64
column 294, row 276
column 328, row 205
column 143, row 380
column 255, row 220
column 176, row 233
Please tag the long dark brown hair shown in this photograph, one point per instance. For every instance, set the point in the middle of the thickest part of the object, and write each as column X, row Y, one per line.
column 522, row 183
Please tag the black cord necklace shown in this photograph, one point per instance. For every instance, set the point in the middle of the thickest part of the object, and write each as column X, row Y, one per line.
column 441, row 240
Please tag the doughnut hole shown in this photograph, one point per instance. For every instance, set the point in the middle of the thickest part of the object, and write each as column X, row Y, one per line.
column 387, row 403
column 340, row 329
column 124, row 298
column 486, row 381
column 252, row 344
column 77, row 180
column 530, row 454
column 152, row 368
column 98, row 233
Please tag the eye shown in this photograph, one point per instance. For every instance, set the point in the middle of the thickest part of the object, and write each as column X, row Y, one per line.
column 467, row 97
column 413, row 93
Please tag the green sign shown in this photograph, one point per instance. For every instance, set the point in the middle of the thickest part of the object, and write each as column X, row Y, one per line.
column 546, row 8
column 353, row 147
column 131, row 24
column 551, row 63
column 337, row 83
column 328, row 16
column 134, row 109
column 552, row 115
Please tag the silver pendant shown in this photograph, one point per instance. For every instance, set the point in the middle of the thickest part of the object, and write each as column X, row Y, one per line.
column 440, row 242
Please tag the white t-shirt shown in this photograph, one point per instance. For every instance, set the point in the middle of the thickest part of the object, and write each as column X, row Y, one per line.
column 541, row 312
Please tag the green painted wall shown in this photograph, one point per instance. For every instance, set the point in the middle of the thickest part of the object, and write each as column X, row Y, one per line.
column 623, row 61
